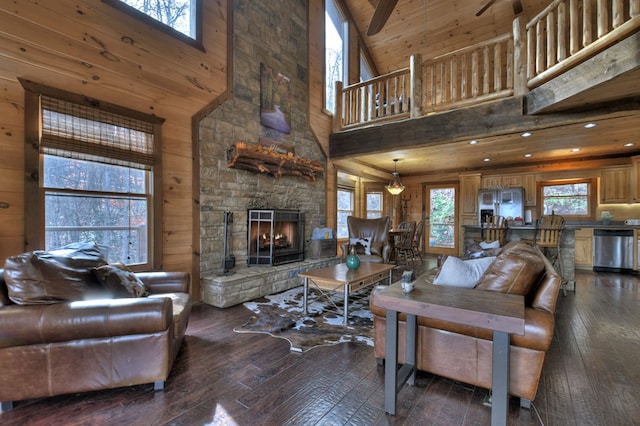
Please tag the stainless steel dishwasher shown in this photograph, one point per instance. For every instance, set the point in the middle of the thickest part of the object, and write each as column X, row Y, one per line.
column 613, row 250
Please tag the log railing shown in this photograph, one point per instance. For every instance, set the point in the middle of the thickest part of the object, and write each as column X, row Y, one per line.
column 563, row 35
column 470, row 75
column 568, row 32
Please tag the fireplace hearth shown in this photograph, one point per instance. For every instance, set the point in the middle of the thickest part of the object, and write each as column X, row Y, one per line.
column 275, row 237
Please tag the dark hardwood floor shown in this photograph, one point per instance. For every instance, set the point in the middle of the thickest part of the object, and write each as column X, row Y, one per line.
column 591, row 377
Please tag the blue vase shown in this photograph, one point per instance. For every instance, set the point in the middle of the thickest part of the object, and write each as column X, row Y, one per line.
column 352, row 260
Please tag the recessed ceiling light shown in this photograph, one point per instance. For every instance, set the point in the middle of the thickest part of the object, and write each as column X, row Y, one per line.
column 629, row 144
column 575, row 150
column 473, row 142
column 526, row 134
column 590, row 125
column 528, row 155
column 486, row 160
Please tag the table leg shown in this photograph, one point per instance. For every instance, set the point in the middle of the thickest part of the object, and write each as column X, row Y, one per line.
column 390, row 276
column 410, row 352
column 500, row 379
column 305, row 294
column 391, row 362
column 346, row 304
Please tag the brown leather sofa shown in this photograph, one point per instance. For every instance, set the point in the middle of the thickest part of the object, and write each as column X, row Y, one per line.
column 464, row 353
column 375, row 233
column 76, row 346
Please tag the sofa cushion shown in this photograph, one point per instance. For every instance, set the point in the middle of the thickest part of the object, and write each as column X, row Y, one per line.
column 516, row 271
column 121, row 281
column 44, row 277
column 462, row 273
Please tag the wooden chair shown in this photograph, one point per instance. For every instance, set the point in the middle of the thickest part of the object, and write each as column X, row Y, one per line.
column 494, row 229
column 417, row 239
column 404, row 246
column 548, row 236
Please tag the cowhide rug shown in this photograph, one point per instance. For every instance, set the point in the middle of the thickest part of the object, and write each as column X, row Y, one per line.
column 281, row 315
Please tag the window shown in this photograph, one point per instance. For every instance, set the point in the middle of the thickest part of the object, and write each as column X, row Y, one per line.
column 97, row 181
column 177, row 17
column 567, row 198
column 336, row 42
column 365, row 69
column 374, row 204
column 345, row 209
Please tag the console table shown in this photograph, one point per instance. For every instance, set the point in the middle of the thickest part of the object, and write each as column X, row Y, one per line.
column 502, row 313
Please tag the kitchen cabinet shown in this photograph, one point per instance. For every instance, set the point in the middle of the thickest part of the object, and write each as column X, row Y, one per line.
column 584, row 248
column 530, row 189
column 635, row 179
column 502, row 181
column 469, row 187
column 615, row 185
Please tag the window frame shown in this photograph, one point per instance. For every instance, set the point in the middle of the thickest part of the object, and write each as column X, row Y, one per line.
column 196, row 41
column 351, row 212
column 34, row 208
column 345, row 55
column 592, row 201
column 375, row 190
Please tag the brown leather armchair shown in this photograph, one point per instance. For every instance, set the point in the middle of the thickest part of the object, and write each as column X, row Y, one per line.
column 375, row 233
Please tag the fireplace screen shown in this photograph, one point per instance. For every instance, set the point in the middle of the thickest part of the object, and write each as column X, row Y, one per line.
column 275, row 237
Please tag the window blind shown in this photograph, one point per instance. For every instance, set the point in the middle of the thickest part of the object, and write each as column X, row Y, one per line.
column 85, row 133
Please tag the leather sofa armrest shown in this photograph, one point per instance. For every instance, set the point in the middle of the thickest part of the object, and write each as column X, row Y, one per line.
column 165, row 282
column 36, row 324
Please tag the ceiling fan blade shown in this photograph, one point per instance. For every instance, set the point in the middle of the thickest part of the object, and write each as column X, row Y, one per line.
column 380, row 16
column 485, row 7
column 517, row 7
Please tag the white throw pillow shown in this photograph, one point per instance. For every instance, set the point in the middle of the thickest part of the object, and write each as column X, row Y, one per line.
column 485, row 245
column 361, row 242
column 462, row 273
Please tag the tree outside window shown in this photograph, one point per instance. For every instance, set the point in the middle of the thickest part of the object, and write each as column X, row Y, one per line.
column 345, row 209
column 335, row 51
column 567, row 198
column 374, row 204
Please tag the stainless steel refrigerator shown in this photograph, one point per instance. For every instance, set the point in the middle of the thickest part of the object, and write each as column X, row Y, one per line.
column 508, row 203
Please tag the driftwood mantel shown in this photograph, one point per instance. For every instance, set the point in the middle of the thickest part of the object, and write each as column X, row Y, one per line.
column 261, row 159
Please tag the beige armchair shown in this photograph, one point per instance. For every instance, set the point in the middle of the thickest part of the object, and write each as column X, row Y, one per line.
column 370, row 237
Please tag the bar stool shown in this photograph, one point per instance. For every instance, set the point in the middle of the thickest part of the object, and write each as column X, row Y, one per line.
column 548, row 235
column 494, row 229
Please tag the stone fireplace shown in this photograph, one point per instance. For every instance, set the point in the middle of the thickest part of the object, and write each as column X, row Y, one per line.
column 275, row 237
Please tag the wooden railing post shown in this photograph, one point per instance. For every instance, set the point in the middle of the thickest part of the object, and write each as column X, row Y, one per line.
column 415, row 77
column 519, row 57
column 337, row 114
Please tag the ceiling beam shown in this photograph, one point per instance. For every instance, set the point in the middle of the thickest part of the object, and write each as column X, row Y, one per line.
column 503, row 117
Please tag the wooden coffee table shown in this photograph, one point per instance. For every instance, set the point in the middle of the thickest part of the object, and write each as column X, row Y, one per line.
column 341, row 279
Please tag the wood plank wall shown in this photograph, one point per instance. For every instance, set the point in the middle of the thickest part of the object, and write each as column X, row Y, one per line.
column 91, row 48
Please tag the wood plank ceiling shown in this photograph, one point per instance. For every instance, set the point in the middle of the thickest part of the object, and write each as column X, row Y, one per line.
column 434, row 27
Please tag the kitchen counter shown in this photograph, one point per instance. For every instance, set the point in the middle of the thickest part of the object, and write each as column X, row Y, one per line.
column 573, row 224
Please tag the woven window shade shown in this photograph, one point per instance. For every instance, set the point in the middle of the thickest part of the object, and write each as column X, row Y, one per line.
column 81, row 132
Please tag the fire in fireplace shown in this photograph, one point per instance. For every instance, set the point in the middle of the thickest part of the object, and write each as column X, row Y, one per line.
column 275, row 237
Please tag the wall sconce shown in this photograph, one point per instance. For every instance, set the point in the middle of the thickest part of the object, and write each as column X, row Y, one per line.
column 395, row 187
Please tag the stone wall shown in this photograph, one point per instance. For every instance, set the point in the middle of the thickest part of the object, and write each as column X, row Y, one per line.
column 273, row 33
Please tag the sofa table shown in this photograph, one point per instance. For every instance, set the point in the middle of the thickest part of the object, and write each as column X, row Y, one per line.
column 340, row 279
column 502, row 313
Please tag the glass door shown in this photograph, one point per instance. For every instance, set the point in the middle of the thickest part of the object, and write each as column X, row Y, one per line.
column 441, row 228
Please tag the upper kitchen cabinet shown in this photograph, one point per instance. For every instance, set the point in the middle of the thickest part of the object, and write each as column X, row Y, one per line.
column 526, row 181
column 615, row 185
column 635, row 179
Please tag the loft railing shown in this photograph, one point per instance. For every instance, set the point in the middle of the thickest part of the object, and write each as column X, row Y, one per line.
column 568, row 32
column 470, row 75
column 564, row 34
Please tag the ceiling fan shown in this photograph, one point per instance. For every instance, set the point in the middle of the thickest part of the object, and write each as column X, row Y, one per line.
column 517, row 7
column 380, row 15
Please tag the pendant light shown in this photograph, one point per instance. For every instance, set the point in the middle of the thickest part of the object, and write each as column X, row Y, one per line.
column 395, row 187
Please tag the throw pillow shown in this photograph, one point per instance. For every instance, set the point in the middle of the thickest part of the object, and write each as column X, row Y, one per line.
column 64, row 274
column 462, row 273
column 362, row 245
column 121, row 281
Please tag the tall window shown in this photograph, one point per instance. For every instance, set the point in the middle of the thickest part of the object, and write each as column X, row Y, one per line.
column 97, row 180
column 182, row 16
column 365, row 69
column 345, row 209
column 374, row 204
column 336, row 42
column 564, row 198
